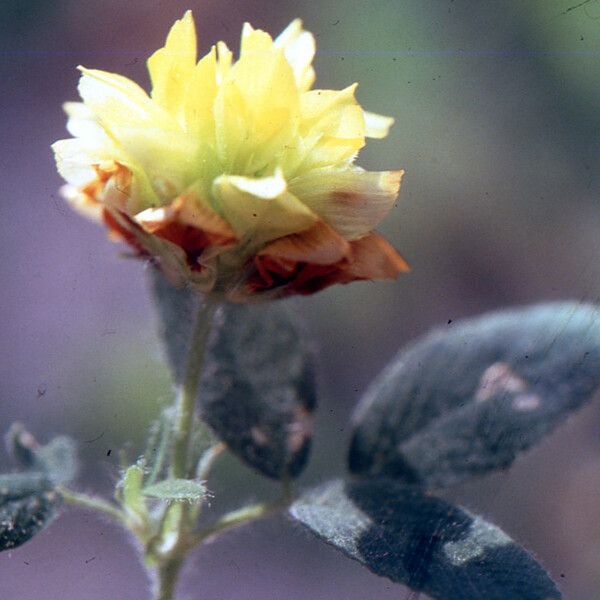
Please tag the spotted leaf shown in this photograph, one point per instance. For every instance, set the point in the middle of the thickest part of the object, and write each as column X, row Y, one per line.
column 27, row 504
column 469, row 397
column 422, row 542
column 258, row 390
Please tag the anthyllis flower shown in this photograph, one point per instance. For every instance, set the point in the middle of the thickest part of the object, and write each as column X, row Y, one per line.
column 236, row 178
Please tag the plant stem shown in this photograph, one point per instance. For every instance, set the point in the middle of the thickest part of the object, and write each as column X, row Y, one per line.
column 188, row 391
column 93, row 503
column 208, row 459
column 237, row 518
column 166, row 580
column 177, row 520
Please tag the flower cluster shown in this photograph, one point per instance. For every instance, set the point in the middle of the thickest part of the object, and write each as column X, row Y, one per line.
column 235, row 177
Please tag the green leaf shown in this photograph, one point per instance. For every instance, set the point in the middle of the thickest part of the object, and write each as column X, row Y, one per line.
column 177, row 490
column 28, row 501
column 177, row 311
column 18, row 485
column 21, row 445
column 57, row 459
column 257, row 392
column 422, row 542
column 471, row 396
column 27, row 504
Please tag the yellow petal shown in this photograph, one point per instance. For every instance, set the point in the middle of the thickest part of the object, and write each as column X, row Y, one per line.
column 326, row 111
column 377, row 126
column 87, row 207
column 333, row 126
column 341, row 140
column 116, row 100
column 351, row 201
column 257, row 108
column 74, row 160
column 260, row 209
column 200, row 99
column 232, row 127
column 224, row 60
column 77, row 160
column 299, row 49
column 82, row 122
column 170, row 67
column 254, row 41
column 146, row 133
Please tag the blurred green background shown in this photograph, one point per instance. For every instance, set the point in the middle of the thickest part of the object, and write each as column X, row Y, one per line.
column 498, row 129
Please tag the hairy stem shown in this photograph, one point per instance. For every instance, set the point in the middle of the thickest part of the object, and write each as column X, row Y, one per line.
column 188, row 391
column 166, row 579
column 237, row 518
column 176, row 522
column 93, row 503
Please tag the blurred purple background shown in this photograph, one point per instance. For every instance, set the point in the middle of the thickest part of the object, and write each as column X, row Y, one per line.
column 498, row 129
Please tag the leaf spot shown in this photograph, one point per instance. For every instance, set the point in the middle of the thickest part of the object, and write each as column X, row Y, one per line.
column 481, row 536
column 300, row 430
column 498, row 378
column 259, row 436
column 526, row 402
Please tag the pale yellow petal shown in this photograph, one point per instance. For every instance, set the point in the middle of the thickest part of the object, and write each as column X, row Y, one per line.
column 254, row 41
column 325, row 111
column 265, row 188
column 170, row 67
column 333, row 127
column 351, row 201
column 377, row 126
column 299, row 48
column 260, row 209
column 116, row 100
column 147, row 134
column 232, row 127
column 81, row 203
column 77, row 162
column 224, row 60
column 200, row 99
column 257, row 108
column 82, row 122
column 75, row 159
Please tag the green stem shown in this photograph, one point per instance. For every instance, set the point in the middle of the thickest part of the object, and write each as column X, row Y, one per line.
column 93, row 503
column 207, row 460
column 166, row 580
column 188, row 391
column 236, row 518
column 177, row 519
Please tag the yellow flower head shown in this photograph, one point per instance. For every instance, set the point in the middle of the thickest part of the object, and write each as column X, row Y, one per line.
column 237, row 178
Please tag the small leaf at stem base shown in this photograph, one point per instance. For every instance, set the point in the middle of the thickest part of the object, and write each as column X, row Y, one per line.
column 177, row 490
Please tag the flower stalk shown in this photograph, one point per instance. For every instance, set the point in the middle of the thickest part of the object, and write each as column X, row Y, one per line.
column 188, row 391
column 178, row 518
column 166, row 579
